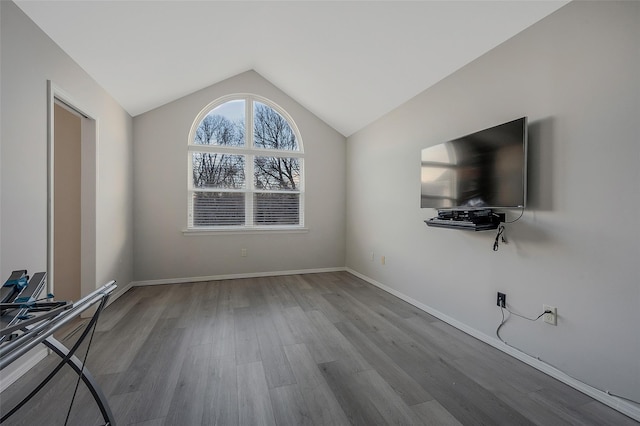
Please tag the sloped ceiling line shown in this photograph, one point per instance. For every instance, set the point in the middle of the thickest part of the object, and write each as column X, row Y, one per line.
column 348, row 62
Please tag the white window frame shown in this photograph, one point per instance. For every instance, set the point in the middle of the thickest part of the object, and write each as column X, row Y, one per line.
column 249, row 151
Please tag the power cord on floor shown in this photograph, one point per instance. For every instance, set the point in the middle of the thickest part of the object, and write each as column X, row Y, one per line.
column 504, row 320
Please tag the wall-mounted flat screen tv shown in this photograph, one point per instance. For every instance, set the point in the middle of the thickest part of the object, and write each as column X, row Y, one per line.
column 486, row 169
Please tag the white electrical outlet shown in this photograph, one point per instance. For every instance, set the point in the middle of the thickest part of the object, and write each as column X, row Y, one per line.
column 373, row 256
column 550, row 318
column 243, row 252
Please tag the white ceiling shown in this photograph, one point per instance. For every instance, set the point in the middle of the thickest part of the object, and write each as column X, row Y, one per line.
column 348, row 62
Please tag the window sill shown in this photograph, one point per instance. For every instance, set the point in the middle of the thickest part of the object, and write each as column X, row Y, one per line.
column 244, row 231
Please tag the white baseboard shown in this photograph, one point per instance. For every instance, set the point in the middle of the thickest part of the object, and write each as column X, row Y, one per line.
column 234, row 276
column 119, row 291
column 9, row 375
column 626, row 408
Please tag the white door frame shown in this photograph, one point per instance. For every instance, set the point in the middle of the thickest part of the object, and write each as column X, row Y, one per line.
column 88, row 188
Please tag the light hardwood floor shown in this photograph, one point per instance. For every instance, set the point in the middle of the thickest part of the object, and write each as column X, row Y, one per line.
column 317, row 349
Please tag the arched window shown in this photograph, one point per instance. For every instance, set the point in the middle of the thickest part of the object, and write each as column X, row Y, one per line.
column 245, row 166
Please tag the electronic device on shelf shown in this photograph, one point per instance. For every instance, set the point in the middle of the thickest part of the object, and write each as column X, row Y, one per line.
column 472, row 220
column 477, row 215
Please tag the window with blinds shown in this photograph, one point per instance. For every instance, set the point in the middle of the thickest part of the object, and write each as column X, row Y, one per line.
column 245, row 166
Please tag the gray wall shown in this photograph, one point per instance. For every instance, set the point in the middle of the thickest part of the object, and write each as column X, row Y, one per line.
column 160, row 208
column 29, row 59
column 577, row 247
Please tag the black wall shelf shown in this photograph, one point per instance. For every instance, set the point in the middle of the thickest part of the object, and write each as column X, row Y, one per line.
column 467, row 220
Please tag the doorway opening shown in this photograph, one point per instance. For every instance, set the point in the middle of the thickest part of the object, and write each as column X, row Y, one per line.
column 72, row 186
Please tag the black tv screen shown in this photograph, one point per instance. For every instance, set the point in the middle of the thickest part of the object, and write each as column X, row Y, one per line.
column 486, row 169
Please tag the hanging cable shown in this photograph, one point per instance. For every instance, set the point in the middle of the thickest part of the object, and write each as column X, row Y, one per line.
column 499, row 236
column 518, row 218
column 527, row 318
column 500, row 326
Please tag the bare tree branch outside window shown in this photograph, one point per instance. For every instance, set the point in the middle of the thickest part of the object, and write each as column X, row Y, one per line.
column 272, row 131
column 217, row 170
column 216, row 129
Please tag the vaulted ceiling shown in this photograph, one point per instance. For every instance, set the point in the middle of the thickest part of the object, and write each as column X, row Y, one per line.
column 348, row 62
